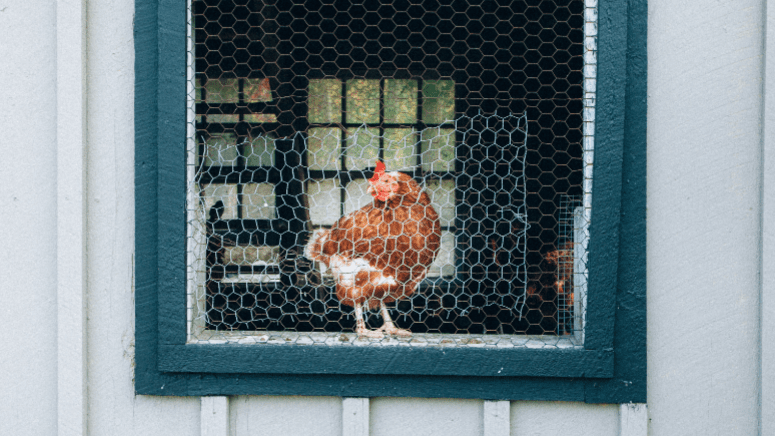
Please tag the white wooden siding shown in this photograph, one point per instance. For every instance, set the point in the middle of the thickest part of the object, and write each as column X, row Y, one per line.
column 313, row 416
column 711, row 245
column 71, row 217
column 561, row 418
column 28, row 206
column 704, row 216
column 767, row 289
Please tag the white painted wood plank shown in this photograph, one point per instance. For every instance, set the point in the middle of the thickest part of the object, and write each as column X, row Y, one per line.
column 355, row 417
column 633, row 419
column 497, row 418
column 71, row 216
column 292, row 415
column 767, row 287
column 529, row 418
column 214, row 419
column 703, row 217
column 28, row 201
column 425, row 416
column 113, row 407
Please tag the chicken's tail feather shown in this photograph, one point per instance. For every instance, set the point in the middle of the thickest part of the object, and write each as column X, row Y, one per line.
column 314, row 248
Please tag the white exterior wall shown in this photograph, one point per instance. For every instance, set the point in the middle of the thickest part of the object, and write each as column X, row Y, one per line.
column 704, row 215
column 711, row 246
column 28, row 348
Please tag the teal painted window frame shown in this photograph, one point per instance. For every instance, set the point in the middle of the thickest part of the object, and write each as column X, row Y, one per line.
column 610, row 369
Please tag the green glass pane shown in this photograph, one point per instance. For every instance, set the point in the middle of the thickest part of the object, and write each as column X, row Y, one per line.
column 438, row 149
column 261, row 118
column 357, row 195
column 362, row 101
column 362, row 148
column 325, row 101
column 400, row 149
column 249, row 255
column 222, row 91
column 227, row 194
column 258, row 201
column 223, row 118
column 221, row 150
column 260, row 152
column 323, row 145
column 256, row 90
column 442, row 194
column 444, row 265
column 324, row 201
column 438, row 101
column 400, row 101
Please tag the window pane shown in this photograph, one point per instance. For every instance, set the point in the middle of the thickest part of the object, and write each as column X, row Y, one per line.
column 399, row 149
column 251, row 255
column 362, row 148
column 438, row 149
column 444, row 265
column 438, row 101
column 222, row 91
column 256, row 90
column 258, row 201
column 261, row 118
column 400, row 101
column 356, row 195
column 363, row 101
column 221, row 150
column 223, row 118
column 325, row 101
column 226, row 194
column 323, row 147
column 443, row 199
column 324, row 201
column 260, row 152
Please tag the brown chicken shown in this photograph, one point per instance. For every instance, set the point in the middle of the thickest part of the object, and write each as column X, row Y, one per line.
column 562, row 262
column 380, row 253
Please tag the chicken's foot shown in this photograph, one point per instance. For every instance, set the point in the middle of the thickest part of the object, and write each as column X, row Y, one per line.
column 388, row 327
column 360, row 325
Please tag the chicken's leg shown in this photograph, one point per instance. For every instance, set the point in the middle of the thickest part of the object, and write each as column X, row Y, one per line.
column 360, row 324
column 388, row 326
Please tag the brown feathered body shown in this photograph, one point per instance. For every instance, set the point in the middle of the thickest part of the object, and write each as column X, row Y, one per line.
column 381, row 252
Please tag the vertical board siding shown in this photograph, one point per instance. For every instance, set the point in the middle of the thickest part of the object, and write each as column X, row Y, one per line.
column 71, row 216
column 425, row 416
column 308, row 416
column 497, row 418
column 113, row 408
column 633, row 420
column 547, row 418
column 28, row 200
column 703, row 233
column 767, row 288
column 214, row 420
column 389, row 416
column 355, row 417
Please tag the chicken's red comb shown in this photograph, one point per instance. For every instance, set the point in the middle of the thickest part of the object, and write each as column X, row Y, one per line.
column 378, row 171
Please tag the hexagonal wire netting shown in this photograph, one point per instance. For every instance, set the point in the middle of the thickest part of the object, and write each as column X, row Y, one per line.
column 475, row 231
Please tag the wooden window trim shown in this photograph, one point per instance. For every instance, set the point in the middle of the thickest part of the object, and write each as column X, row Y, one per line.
column 611, row 368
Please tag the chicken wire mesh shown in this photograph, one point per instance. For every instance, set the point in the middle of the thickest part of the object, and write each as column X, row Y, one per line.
column 482, row 115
